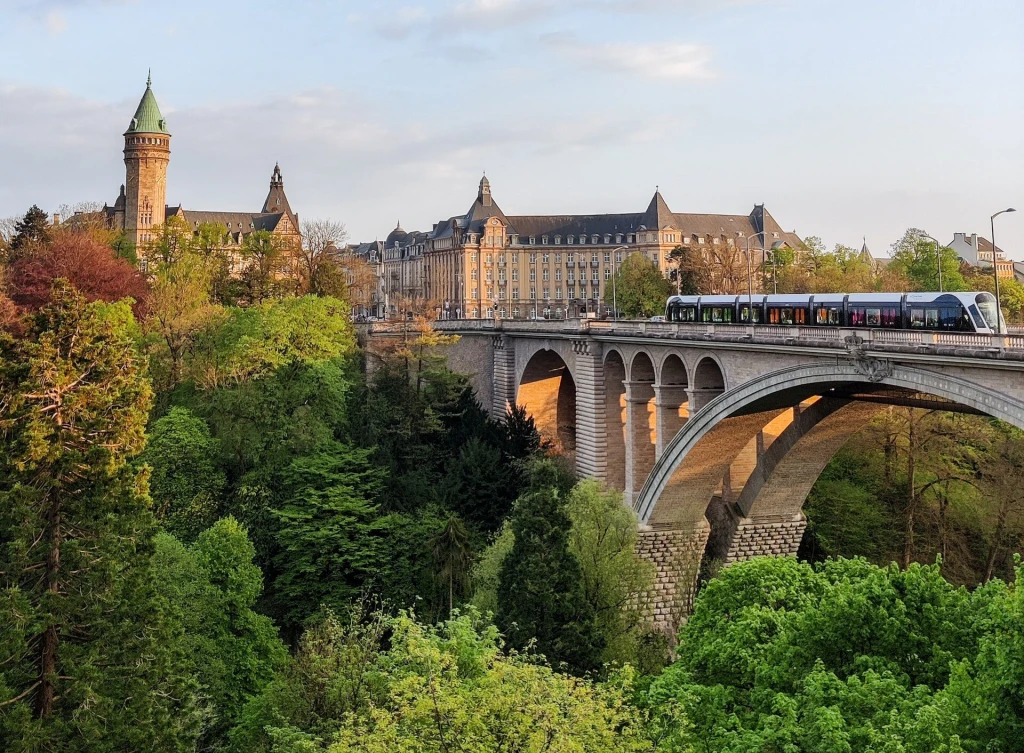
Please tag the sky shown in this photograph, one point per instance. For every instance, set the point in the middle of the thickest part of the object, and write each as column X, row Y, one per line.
column 849, row 120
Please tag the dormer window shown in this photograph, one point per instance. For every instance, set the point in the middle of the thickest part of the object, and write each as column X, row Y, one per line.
column 701, row 240
column 629, row 238
column 558, row 240
column 544, row 240
column 775, row 235
column 568, row 240
column 533, row 240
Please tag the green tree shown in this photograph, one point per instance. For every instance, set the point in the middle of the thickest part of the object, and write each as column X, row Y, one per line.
column 87, row 660
column 684, row 276
column 452, row 559
column 640, row 288
column 452, row 686
column 211, row 588
column 185, row 483
column 915, row 256
column 330, row 538
column 540, row 592
column 30, row 230
column 179, row 309
column 264, row 257
column 479, row 486
column 617, row 582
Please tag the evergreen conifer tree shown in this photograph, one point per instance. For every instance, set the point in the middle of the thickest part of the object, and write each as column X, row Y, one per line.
column 34, row 227
column 87, row 660
column 540, row 591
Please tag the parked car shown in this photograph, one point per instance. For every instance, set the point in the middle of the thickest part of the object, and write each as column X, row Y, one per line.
column 658, row 318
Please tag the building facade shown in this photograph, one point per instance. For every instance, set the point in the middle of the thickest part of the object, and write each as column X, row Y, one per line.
column 978, row 252
column 141, row 208
column 486, row 263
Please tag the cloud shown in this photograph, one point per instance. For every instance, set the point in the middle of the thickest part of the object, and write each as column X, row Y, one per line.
column 56, row 24
column 666, row 60
column 342, row 154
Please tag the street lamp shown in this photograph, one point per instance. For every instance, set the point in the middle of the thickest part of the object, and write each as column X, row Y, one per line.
column 938, row 255
column 995, row 269
column 615, row 270
column 750, row 284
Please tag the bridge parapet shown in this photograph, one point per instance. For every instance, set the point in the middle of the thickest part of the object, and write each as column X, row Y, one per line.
column 1009, row 345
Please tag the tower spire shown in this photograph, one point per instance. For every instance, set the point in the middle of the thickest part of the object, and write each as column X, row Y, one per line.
column 149, row 79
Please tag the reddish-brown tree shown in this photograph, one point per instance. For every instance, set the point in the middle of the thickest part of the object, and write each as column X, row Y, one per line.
column 84, row 261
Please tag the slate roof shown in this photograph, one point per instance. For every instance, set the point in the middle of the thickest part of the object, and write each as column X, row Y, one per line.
column 245, row 222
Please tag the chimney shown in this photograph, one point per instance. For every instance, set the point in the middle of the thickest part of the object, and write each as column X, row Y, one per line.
column 974, row 241
column 56, row 218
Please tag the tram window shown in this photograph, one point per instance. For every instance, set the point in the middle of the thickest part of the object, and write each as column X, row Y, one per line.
column 828, row 316
column 747, row 318
column 916, row 318
column 931, row 318
column 689, row 314
column 717, row 314
column 874, row 317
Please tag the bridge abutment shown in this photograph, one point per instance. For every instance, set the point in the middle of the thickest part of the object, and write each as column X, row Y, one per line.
column 676, row 554
column 591, row 433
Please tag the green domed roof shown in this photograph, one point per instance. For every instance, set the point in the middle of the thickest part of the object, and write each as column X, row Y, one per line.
column 147, row 116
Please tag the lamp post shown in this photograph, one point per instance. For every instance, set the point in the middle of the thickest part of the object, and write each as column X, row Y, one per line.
column 995, row 268
column 615, row 270
column 750, row 284
column 938, row 256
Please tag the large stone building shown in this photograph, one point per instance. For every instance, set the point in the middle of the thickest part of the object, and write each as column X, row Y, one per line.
column 485, row 262
column 141, row 208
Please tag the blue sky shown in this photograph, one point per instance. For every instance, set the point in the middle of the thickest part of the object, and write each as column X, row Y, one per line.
column 847, row 119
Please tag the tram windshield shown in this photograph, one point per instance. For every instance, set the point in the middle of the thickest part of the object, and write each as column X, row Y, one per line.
column 987, row 305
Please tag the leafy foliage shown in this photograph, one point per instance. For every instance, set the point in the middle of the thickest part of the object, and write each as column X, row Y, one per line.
column 541, row 601
column 211, row 588
column 88, row 662
column 640, row 288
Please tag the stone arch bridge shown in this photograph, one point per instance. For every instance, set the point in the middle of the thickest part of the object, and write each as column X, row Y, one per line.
column 716, row 433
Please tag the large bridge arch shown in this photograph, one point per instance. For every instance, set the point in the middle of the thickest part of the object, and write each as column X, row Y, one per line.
column 674, row 505
column 741, row 411
column 547, row 389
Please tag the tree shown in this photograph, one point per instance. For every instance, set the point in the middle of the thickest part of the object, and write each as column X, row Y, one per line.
column 32, row 229
column 717, row 266
column 89, row 265
column 779, row 655
column 431, row 689
column 452, row 558
column 321, row 239
column 88, row 661
column 452, row 686
column 541, row 600
column 640, row 288
column 685, row 273
column 265, row 260
column 329, row 534
column 211, row 588
column 179, row 310
column 915, row 257
column 617, row 582
column 184, row 481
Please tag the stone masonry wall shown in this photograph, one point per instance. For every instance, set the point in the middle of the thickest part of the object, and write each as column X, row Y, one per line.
column 777, row 538
column 677, row 555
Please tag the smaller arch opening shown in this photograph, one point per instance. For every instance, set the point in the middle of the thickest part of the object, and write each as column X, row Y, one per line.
column 708, row 375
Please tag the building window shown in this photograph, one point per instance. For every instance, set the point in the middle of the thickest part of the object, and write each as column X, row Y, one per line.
column 533, row 258
column 571, row 258
column 547, row 258
column 593, row 258
column 558, row 294
column 700, row 240
column 533, row 275
column 546, row 274
column 472, row 257
column 544, row 240
column 547, row 294
column 558, row 275
column 608, row 239
column 515, row 274
column 608, row 273
column 490, row 276
column 572, row 293
column 558, row 240
column 593, row 239
column 594, row 276
column 515, row 258
column 533, row 240
column 568, row 239
column 515, row 312
column 515, row 293
column 618, row 237
column 571, row 275
column 533, row 293
column 607, row 258
column 630, row 238
column 473, row 275
column 475, row 293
